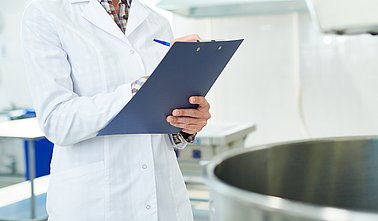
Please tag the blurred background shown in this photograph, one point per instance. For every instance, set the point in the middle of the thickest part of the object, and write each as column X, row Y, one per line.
column 288, row 80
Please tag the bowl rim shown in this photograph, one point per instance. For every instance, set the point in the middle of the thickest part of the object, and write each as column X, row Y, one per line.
column 278, row 204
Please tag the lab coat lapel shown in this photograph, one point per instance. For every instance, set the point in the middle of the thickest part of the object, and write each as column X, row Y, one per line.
column 96, row 14
column 138, row 13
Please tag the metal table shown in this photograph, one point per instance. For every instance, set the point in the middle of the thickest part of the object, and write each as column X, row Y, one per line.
column 215, row 138
column 25, row 129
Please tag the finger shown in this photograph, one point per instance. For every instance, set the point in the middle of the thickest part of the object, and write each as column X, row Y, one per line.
column 188, row 113
column 188, row 38
column 186, row 127
column 187, row 120
column 201, row 101
column 193, row 113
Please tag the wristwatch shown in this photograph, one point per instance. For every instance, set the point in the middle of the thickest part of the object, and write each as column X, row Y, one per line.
column 188, row 137
column 181, row 139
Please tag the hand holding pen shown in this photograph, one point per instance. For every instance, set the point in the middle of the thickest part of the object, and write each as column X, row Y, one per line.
column 188, row 38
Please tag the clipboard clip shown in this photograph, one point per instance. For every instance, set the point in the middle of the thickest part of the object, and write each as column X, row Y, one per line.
column 199, row 48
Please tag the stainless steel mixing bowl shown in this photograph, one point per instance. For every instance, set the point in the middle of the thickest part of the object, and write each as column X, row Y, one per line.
column 327, row 179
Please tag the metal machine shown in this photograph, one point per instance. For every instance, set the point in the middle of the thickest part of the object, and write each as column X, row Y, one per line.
column 333, row 16
column 213, row 140
column 201, row 8
column 316, row 180
column 345, row 16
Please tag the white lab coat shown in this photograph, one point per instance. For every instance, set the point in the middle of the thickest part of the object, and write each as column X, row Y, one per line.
column 80, row 67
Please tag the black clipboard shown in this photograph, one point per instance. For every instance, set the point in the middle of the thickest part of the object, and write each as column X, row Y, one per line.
column 188, row 69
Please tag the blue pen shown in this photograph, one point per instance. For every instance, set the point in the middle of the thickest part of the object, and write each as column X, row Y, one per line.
column 162, row 42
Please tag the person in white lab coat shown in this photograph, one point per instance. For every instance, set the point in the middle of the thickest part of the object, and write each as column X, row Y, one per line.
column 81, row 66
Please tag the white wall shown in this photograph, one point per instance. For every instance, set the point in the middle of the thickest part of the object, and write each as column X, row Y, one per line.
column 340, row 79
column 286, row 67
column 258, row 85
column 13, row 85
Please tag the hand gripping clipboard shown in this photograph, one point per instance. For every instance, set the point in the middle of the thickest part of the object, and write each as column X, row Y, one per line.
column 188, row 69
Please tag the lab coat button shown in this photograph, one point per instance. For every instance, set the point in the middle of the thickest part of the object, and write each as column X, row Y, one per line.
column 148, row 207
column 144, row 166
column 132, row 51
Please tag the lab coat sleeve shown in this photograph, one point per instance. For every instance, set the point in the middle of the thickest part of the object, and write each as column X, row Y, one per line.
column 63, row 116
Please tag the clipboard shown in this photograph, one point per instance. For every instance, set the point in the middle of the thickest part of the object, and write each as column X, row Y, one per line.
column 188, row 69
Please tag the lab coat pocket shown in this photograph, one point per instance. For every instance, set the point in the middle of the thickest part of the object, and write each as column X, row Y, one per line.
column 77, row 194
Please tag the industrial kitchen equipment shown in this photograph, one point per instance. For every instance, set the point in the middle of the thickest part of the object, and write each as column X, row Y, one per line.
column 324, row 179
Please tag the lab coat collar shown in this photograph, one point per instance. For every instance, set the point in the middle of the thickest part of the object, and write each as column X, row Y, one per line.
column 138, row 13
column 96, row 14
